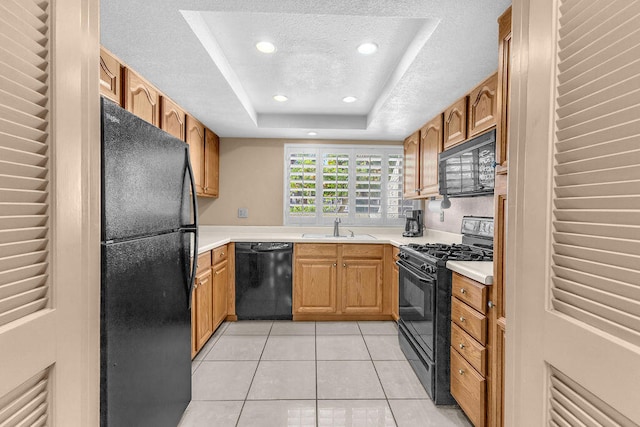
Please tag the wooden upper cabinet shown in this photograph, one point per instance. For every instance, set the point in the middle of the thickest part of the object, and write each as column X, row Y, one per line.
column 411, row 186
column 504, row 91
column 430, row 147
column 195, row 139
column 483, row 106
column 172, row 118
column 110, row 76
column 455, row 123
column 141, row 98
column 212, row 164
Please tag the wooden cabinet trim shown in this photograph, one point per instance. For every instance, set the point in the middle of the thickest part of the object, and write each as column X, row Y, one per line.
column 316, row 250
column 360, row 250
column 504, row 91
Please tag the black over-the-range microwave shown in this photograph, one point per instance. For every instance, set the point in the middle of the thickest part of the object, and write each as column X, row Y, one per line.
column 468, row 169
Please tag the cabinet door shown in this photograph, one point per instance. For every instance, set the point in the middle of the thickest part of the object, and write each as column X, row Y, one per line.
column 110, row 77
column 220, row 283
column 430, row 146
column 504, row 91
column 212, row 164
column 203, row 297
column 411, row 166
column 361, row 284
column 455, row 123
column 195, row 139
column 315, row 286
column 483, row 106
column 172, row 118
column 141, row 98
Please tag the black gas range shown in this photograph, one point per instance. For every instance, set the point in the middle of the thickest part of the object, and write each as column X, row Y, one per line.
column 425, row 302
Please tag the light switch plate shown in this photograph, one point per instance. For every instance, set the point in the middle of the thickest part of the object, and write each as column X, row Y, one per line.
column 243, row 213
column 442, row 216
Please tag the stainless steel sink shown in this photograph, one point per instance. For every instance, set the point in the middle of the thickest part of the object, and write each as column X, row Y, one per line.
column 331, row 236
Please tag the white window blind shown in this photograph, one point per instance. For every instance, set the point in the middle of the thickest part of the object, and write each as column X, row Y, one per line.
column 596, row 250
column 24, row 139
column 360, row 185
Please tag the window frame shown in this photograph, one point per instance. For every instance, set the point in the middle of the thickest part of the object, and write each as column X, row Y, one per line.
column 351, row 219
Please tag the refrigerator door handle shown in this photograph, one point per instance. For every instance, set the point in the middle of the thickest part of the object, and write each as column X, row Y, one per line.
column 193, row 229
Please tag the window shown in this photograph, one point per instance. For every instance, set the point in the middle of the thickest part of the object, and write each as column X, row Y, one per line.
column 359, row 184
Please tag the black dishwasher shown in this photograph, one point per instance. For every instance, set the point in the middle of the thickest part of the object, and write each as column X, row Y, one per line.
column 263, row 281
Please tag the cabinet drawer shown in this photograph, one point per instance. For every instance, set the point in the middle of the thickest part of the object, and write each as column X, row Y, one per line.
column 472, row 322
column 219, row 254
column 316, row 250
column 204, row 261
column 469, row 348
column 470, row 291
column 362, row 251
column 468, row 388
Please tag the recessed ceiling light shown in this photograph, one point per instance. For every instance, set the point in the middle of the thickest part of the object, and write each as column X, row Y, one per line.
column 349, row 99
column 312, row 133
column 265, row 47
column 280, row 98
column 367, row 48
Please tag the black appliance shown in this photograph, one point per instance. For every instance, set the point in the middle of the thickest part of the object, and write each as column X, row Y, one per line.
column 424, row 327
column 147, row 241
column 414, row 223
column 468, row 169
column 263, row 281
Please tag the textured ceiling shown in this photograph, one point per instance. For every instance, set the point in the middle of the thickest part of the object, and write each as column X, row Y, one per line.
column 202, row 54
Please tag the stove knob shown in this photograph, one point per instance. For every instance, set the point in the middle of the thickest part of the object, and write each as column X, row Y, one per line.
column 424, row 267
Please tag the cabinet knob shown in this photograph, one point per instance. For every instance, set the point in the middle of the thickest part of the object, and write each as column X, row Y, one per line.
column 462, row 319
column 221, row 254
column 461, row 371
column 461, row 346
column 490, row 304
column 463, row 291
column 344, row 265
column 417, row 190
column 335, row 265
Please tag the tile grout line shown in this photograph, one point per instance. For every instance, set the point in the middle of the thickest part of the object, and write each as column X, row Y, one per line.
column 378, row 375
column 244, row 402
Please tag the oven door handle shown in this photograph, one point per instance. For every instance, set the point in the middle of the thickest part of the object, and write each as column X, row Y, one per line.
column 420, row 275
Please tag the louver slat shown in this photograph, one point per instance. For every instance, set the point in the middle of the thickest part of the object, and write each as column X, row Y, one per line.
column 596, row 224
column 24, row 183
column 27, row 405
column 570, row 401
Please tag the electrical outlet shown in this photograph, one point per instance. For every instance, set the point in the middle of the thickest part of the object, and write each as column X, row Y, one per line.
column 442, row 216
column 243, row 213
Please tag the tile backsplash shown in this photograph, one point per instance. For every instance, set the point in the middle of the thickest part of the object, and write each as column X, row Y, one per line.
column 460, row 206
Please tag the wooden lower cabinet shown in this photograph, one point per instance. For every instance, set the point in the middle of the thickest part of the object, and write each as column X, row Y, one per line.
column 469, row 354
column 202, row 304
column 220, row 285
column 210, row 294
column 339, row 281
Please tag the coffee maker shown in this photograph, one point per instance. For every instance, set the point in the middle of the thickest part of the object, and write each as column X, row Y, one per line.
column 413, row 226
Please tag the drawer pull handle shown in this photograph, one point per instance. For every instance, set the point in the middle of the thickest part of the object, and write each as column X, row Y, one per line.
column 463, row 291
column 461, row 371
column 461, row 346
column 462, row 319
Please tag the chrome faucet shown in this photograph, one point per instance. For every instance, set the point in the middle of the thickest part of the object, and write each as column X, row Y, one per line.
column 336, row 227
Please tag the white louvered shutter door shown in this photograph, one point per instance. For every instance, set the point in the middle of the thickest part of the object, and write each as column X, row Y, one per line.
column 579, row 257
column 24, row 206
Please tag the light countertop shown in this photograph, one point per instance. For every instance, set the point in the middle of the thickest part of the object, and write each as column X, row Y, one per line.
column 211, row 237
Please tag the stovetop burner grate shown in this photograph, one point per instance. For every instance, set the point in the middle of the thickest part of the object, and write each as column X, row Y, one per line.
column 454, row 252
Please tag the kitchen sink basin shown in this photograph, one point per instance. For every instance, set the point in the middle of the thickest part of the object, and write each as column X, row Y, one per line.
column 331, row 236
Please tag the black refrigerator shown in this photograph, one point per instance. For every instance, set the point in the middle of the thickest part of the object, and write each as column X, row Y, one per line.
column 149, row 235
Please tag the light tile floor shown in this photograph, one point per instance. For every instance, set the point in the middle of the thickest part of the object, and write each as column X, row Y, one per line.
column 308, row 374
